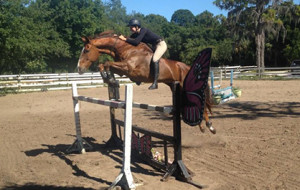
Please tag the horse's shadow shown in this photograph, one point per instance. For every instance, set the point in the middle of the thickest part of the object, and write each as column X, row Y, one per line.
column 30, row 186
column 113, row 152
column 60, row 151
column 255, row 110
column 248, row 110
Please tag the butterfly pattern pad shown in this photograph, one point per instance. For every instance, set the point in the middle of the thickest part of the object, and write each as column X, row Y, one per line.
column 195, row 82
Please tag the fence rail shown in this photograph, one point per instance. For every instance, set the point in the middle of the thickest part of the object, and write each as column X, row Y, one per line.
column 44, row 82
column 253, row 71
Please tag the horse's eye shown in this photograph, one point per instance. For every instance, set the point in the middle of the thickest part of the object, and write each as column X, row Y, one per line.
column 85, row 51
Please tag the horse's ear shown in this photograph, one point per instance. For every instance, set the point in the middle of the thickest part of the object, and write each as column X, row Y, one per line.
column 85, row 39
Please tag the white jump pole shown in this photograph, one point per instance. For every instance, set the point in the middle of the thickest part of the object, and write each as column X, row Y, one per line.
column 80, row 144
column 125, row 179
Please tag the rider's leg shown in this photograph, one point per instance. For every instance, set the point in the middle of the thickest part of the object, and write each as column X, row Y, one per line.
column 160, row 50
column 155, row 66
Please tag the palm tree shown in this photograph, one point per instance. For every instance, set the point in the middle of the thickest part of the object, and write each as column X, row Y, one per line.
column 256, row 17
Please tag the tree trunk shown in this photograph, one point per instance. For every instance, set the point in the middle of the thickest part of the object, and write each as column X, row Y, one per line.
column 262, row 54
column 260, row 49
column 258, row 52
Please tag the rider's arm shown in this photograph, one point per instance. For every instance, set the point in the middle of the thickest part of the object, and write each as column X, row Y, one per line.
column 138, row 39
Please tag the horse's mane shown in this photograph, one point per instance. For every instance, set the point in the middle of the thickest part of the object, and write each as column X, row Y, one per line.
column 108, row 33
column 111, row 33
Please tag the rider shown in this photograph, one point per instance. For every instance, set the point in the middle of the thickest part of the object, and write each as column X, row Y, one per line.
column 141, row 34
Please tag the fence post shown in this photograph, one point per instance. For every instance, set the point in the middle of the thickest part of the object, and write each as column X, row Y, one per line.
column 80, row 144
column 231, row 77
column 212, row 82
column 19, row 82
column 125, row 179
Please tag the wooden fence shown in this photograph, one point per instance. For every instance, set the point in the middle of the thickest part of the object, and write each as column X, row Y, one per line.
column 44, row 82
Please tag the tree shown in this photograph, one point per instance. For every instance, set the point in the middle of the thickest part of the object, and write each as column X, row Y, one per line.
column 183, row 17
column 71, row 19
column 157, row 23
column 206, row 19
column 26, row 38
column 291, row 47
column 116, row 17
column 258, row 16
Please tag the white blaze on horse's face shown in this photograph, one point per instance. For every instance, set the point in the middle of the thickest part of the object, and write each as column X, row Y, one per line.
column 89, row 54
column 79, row 69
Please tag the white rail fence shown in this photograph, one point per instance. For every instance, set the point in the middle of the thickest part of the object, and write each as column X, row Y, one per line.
column 44, row 82
column 62, row 81
column 254, row 71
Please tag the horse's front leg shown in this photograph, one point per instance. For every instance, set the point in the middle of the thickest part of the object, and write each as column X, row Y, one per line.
column 106, row 74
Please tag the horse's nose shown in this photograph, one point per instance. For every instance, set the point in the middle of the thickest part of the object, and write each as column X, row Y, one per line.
column 80, row 71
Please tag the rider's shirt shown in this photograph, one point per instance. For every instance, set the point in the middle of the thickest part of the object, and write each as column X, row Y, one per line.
column 145, row 35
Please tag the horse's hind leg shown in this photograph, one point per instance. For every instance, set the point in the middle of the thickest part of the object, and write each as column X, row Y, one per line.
column 209, row 123
column 202, row 129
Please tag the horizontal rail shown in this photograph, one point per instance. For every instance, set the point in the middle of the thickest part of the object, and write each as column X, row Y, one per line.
column 45, row 82
column 164, row 109
column 148, row 132
column 110, row 103
column 121, row 104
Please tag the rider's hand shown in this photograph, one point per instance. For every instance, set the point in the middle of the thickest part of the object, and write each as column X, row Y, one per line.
column 122, row 37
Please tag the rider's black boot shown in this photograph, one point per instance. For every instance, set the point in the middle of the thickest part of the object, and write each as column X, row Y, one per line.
column 156, row 73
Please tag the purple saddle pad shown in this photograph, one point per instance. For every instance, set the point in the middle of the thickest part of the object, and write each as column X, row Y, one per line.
column 195, row 82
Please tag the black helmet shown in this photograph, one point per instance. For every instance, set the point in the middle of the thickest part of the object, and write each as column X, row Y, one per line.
column 134, row 22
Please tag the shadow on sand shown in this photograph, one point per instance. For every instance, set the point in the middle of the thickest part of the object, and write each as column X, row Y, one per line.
column 110, row 151
column 256, row 110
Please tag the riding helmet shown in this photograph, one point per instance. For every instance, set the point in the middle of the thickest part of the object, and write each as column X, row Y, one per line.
column 134, row 22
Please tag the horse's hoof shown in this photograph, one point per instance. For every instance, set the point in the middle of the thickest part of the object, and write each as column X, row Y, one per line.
column 210, row 127
column 212, row 130
column 153, row 86
column 138, row 83
column 202, row 129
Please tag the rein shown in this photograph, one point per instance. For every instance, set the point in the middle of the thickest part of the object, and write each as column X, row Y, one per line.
column 115, row 43
column 109, row 36
column 117, row 38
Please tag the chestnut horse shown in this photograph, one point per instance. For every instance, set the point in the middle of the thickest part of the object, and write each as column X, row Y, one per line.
column 134, row 62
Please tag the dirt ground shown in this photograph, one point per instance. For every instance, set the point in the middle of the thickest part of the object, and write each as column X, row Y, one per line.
column 257, row 145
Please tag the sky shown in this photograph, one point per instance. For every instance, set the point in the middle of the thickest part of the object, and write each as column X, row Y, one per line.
column 166, row 8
